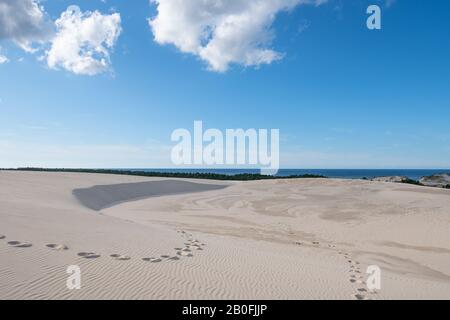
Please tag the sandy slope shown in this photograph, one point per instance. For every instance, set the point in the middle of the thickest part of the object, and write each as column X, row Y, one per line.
column 286, row 239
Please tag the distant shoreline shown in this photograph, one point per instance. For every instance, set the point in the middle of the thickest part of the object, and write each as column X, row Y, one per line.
column 252, row 174
column 186, row 175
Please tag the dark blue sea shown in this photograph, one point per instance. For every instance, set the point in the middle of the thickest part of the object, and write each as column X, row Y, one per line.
column 415, row 174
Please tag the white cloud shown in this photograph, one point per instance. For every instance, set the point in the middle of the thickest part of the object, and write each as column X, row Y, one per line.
column 221, row 32
column 3, row 59
column 83, row 41
column 79, row 42
column 24, row 22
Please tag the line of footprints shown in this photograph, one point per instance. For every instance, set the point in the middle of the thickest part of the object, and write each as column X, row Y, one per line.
column 190, row 246
column 356, row 276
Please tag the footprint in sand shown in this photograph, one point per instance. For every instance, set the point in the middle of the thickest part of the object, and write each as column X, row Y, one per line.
column 167, row 257
column 358, row 281
column 185, row 234
column 174, row 258
column 152, row 260
column 185, row 253
column 120, row 257
column 57, row 247
column 18, row 244
column 194, row 247
column 359, row 296
column 89, row 255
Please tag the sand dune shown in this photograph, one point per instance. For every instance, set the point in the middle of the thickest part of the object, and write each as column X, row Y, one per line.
column 184, row 239
column 104, row 196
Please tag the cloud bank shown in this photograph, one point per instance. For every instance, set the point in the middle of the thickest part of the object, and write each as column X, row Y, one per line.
column 79, row 42
column 221, row 32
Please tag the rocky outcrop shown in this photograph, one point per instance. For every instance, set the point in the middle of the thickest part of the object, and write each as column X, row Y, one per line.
column 437, row 180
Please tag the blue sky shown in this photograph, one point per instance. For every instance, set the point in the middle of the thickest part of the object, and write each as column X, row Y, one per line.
column 342, row 96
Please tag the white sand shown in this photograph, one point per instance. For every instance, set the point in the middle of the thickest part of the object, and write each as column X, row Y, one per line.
column 282, row 239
